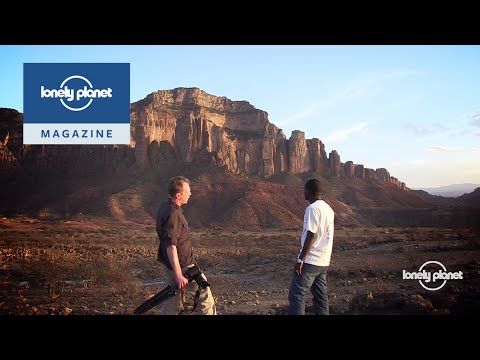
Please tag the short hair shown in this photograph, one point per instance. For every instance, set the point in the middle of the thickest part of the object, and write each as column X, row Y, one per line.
column 314, row 187
column 175, row 184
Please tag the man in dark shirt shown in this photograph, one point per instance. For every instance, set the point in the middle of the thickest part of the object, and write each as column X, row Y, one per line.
column 175, row 251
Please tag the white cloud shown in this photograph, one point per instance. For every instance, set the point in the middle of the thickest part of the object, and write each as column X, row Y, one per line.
column 434, row 130
column 416, row 130
column 475, row 118
column 441, row 127
column 476, row 149
column 339, row 97
column 342, row 134
column 436, row 149
column 300, row 115
column 458, row 127
column 360, row 86
column 408, row 163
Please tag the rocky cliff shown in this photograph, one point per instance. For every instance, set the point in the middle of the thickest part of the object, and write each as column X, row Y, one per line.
column 189, row 126
column 244, row 160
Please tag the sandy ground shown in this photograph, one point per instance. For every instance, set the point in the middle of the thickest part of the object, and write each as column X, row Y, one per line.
column 99, row 266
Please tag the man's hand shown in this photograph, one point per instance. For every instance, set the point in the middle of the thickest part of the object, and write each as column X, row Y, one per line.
column 182, row 281
column 297, row 269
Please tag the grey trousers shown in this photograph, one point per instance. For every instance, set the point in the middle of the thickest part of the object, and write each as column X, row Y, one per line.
column 174, row 306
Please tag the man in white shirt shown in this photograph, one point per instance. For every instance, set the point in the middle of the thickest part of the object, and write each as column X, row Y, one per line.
column 310, row 271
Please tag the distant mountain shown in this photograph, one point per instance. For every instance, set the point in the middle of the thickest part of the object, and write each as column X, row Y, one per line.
column 453, row 190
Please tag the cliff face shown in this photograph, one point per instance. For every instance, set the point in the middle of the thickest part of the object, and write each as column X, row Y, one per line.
column 8, row 162
column 197, row 127
column 11, row 131
column 188, row 127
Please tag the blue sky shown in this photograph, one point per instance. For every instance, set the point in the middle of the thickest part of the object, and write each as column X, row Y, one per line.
column 414, row 110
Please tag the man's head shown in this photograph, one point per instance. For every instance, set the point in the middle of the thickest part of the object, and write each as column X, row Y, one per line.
column 179, row 190
column 313, row 189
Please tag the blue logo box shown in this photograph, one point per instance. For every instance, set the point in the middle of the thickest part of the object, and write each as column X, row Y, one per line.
column 75, row 103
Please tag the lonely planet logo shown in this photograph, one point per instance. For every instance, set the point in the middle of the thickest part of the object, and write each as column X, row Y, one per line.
column 76, row 103
column 432, row 280
column 70, row 95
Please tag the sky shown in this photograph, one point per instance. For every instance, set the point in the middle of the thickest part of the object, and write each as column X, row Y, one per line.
column 414, row 110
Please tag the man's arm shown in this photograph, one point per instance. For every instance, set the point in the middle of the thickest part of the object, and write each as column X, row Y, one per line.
column 182, row 281
column 167, row 230
column 305, row 250
column 307, row 245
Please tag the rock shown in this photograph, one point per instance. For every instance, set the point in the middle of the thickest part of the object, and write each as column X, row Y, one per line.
column 349, row 169
column 318, row 157
column 417, row 304
column 299, row 158
column 382, row 174
column 359, row 171
column 24, row 284
column 67, row 311
column 8, row 162
column 197, row 128
column 335, row 166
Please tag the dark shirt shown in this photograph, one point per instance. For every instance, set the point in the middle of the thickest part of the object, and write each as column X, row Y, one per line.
column 172, row 229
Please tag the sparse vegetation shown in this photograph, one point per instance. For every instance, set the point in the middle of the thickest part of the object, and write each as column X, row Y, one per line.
column 104, row 267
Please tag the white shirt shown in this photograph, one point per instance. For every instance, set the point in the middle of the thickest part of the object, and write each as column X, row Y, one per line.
column 319, row 219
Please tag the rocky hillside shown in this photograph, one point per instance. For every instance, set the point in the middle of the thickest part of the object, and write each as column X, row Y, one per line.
column 471, row 199
column 247, row 173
